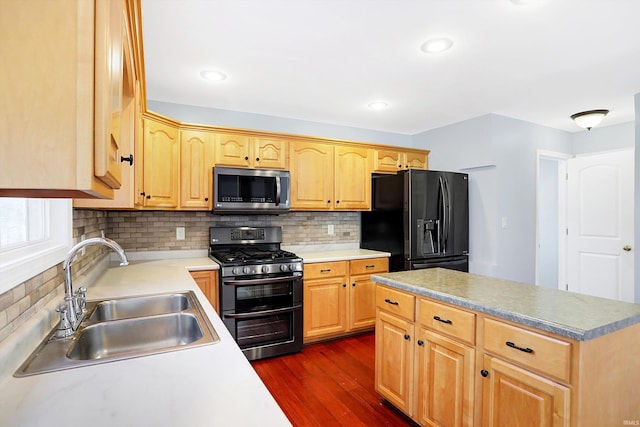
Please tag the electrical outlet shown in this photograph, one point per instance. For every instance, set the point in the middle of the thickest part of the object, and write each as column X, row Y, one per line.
column 82, row 251
column 179, row 233
column 330, row 230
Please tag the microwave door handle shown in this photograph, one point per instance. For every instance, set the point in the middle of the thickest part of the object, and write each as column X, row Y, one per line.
column 278, row 190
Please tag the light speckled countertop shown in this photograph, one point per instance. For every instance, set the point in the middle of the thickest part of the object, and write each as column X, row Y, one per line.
column 328, row 253
column 212, row 385
column 577, row 316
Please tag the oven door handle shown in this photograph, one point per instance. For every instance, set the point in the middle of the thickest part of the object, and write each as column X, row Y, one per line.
column 263, row 313
column 259, row 281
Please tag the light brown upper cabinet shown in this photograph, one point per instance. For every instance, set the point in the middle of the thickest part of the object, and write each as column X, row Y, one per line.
column 196, row 165
column 251, row 152
column 330, row 177
column 62, row 90
column 352, row 185
column 391, row 161
column 129, row 123
column 311, row 167
column 161, row 163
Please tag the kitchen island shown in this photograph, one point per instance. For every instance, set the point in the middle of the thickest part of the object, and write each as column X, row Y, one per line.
column 454, row 347
column 202, row 386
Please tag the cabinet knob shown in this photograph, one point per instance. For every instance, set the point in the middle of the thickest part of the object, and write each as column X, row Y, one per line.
column 344, row 285
column 246, row 157
column 143, row 194
column 484, row 373
column 353, row 284
column 206, row 199
column 328, row 201
column 149, row 196
column 406, row 337
column 337, row 201
column 257, row 159
column 420, row 342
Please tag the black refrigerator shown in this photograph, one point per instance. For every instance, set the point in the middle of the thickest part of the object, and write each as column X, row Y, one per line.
column 421, row 218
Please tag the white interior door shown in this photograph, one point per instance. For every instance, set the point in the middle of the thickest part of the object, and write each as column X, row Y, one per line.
column 600, row 225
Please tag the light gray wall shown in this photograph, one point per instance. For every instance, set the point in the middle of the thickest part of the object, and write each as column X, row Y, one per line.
column 637, row 198
column 499, row 153
column 236, row 119
column 607, row 138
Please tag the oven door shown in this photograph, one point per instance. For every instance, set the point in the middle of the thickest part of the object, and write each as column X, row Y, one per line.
column 260, row 293
column 263, row 313
column 266, row 333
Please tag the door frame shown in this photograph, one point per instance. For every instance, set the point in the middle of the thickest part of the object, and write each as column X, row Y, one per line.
column 561, row 161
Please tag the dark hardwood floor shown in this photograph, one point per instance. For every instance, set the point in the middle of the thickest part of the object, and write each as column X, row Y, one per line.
column 329, row 384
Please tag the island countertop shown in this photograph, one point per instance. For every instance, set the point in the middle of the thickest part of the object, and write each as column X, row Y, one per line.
column 569, row 314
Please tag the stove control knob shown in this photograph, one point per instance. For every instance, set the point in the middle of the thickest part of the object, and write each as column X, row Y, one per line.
column 283, row 267
column 246, row 270
column 292, row 267
column 265, row 269
column 234, row 271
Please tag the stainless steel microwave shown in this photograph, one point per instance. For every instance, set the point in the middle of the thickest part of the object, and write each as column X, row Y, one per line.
column 239, row 190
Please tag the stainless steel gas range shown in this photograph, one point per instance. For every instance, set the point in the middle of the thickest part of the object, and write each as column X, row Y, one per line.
column 260, row 289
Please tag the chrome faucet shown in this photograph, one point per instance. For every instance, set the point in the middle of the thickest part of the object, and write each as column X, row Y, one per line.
column 74, row 308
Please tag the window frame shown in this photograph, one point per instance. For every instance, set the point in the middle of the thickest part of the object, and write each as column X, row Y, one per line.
column 22, row 262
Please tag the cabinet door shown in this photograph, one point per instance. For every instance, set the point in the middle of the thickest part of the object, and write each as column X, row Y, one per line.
column 394, row 360
column 232, row 150
column 311, row 176
column 270, row 153
column 124, row 197
column 161, row 164
column 352, row 178
column 414, row 160
column 196, row 169
column 109, row 37
column 325, row 304
column 387, row 161
column 445, row 381
column 512, row 396
column 208, row 283
column 362, row 302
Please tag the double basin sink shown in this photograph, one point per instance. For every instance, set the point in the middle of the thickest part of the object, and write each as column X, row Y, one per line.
column 123, row 328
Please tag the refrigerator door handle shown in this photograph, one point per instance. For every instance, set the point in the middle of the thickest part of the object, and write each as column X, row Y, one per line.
column 442, row 246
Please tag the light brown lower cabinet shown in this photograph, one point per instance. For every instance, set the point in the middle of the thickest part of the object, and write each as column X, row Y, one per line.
column 447, row 366
column 207, row 281
column 339, row 297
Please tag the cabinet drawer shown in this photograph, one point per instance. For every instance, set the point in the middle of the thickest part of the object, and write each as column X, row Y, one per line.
column 396, row 302
column 545, row 354
column 325, row 269
column 448, row 320
column 366, row 266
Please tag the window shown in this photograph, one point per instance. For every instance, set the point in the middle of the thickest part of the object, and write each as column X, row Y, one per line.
column 35, row 234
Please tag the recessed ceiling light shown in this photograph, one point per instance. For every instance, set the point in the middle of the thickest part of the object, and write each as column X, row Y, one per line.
column 436, row 45
column 213, row 75
column 524, row 2
column 378, row 105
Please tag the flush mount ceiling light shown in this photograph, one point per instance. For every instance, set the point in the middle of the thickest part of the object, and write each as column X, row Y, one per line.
column 378, row 105
column 436, row 45
column 213, row 75
column 589, row 119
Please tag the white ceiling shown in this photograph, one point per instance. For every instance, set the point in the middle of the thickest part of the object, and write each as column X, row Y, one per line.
column 325, row 60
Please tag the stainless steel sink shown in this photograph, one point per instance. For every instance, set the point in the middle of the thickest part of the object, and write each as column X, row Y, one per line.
column 124, row 308
column 123, row 328
column 135, row 336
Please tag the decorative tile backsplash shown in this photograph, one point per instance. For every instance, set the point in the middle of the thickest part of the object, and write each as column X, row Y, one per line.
column 156, row 231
